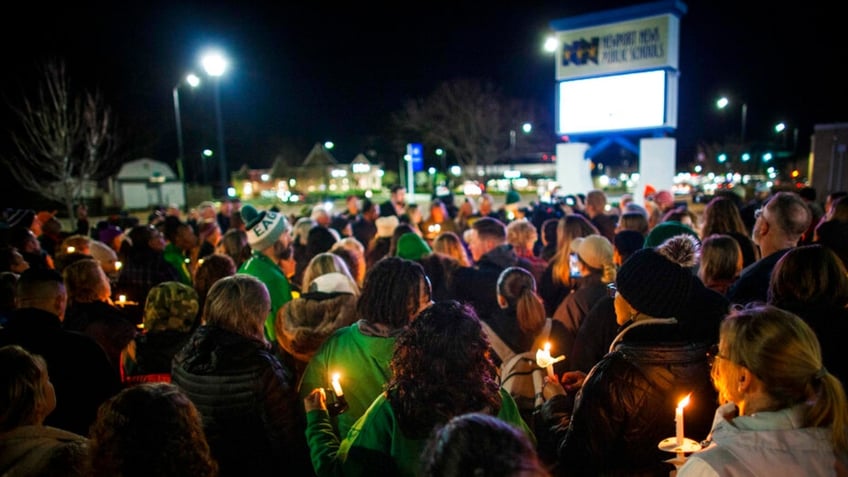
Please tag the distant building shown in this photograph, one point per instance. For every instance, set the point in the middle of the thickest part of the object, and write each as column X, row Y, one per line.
column 144, row 183
column 827, row 169
column 320, row 172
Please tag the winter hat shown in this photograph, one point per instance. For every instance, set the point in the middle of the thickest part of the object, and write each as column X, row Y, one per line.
column 263, row 227
column 634, row 207
column 665, row 230
column 45, row 215
column 654, row 285
column 595, row 250
column 333, row 282
column 170, row 306
column 664, row 199
column 513, row 197
column 412, row 247
column 386, row 226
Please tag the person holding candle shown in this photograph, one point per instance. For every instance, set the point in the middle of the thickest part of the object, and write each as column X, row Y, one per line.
column 519, row 320
column 394, row 292
column 782, row 412
column 627, row 402
column 440, row 369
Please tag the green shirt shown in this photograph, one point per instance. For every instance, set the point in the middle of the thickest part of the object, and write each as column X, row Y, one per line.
column 376, row 438
column 179, row 261
column 269, row 273
column 362, row 362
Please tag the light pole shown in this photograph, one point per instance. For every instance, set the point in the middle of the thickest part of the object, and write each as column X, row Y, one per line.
column 723, row 102
column 526, row 128
column 216, row 65
column 192, row 81
column 205, row 154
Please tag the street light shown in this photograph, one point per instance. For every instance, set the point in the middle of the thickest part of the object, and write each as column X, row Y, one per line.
column 192, row 81
column 723, row 102
column 205, row 154
column 216, row 65
column 526, row 128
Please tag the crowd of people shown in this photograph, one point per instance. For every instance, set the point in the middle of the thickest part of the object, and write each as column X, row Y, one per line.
column 239, row 340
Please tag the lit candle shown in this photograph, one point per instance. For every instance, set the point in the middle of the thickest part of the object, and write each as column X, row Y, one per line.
column 678, row 419
column 122, row 299
column 337, row 387
column 71, row 249
column 544, row 359
column 118, row 265
column 550, row 366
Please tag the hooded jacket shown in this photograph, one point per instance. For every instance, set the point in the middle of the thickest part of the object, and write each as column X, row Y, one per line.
column 304, row 323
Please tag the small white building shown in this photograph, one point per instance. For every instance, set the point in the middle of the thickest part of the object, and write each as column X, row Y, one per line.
column 144, row 183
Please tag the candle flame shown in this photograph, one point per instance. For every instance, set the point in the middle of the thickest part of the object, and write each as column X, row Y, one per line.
column 548, row 346
column 684, row 402
column 71, row 249
column 118, row 265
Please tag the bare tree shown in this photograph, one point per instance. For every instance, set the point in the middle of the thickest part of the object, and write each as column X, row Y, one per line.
column 63, row 143
column 472, row 120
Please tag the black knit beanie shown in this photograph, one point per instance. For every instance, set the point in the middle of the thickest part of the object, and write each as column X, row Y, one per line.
column 654, row 285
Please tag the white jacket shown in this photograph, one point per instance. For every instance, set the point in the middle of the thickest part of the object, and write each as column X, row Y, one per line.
column 769, row 444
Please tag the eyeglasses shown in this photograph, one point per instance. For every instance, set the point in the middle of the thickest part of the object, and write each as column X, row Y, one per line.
column 759, row 213
column 712, row 354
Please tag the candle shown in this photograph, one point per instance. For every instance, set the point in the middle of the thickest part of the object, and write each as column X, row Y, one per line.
column 122, row 299
column 337, row 387
column 71, row 249
column 544, row 359
column 678, row 419
column 118, row 265
column 550, row 366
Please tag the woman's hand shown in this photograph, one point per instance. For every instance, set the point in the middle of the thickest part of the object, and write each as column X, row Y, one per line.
column 552, row 388
column 572, row 381
column 316, row 400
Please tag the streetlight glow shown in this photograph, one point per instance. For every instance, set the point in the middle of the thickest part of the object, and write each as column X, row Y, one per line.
column 193, row 80
column 214, row 63
column 551, row 44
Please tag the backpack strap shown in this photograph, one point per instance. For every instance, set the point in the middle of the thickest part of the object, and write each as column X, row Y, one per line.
column 504, row 352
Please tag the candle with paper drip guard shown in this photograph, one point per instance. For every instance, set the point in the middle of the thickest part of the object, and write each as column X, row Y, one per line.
column 679, row 444
column 544, row 359
column 678, row 419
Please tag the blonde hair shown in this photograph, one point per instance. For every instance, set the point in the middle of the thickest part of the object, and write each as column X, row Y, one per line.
column 784, row 353
column 239, row 303
column 322, row 264
column 356, row 250
column 86, row 281
column 522, row 234
column 449, row 243
column 570, row 227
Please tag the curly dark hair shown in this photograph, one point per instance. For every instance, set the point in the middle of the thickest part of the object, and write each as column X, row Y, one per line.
column 150, row 429
column 392, row 291
column 441, row 368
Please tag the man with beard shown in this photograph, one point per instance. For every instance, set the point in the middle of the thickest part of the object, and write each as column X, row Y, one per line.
column 269, row 237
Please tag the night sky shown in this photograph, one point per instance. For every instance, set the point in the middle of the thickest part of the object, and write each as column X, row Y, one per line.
column 307, row 73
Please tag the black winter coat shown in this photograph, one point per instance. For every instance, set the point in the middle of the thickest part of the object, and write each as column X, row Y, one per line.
column 477, row 285
column 252, row 415
column 627, row 405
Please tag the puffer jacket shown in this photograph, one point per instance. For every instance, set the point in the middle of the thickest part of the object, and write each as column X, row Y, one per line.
column 627, row 404
column 252, row 415
column 304, row 323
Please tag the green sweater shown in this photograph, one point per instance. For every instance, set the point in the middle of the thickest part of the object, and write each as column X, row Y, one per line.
column 362, row 362
column 269, row 273
column 179, row 261
column 376, row 444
